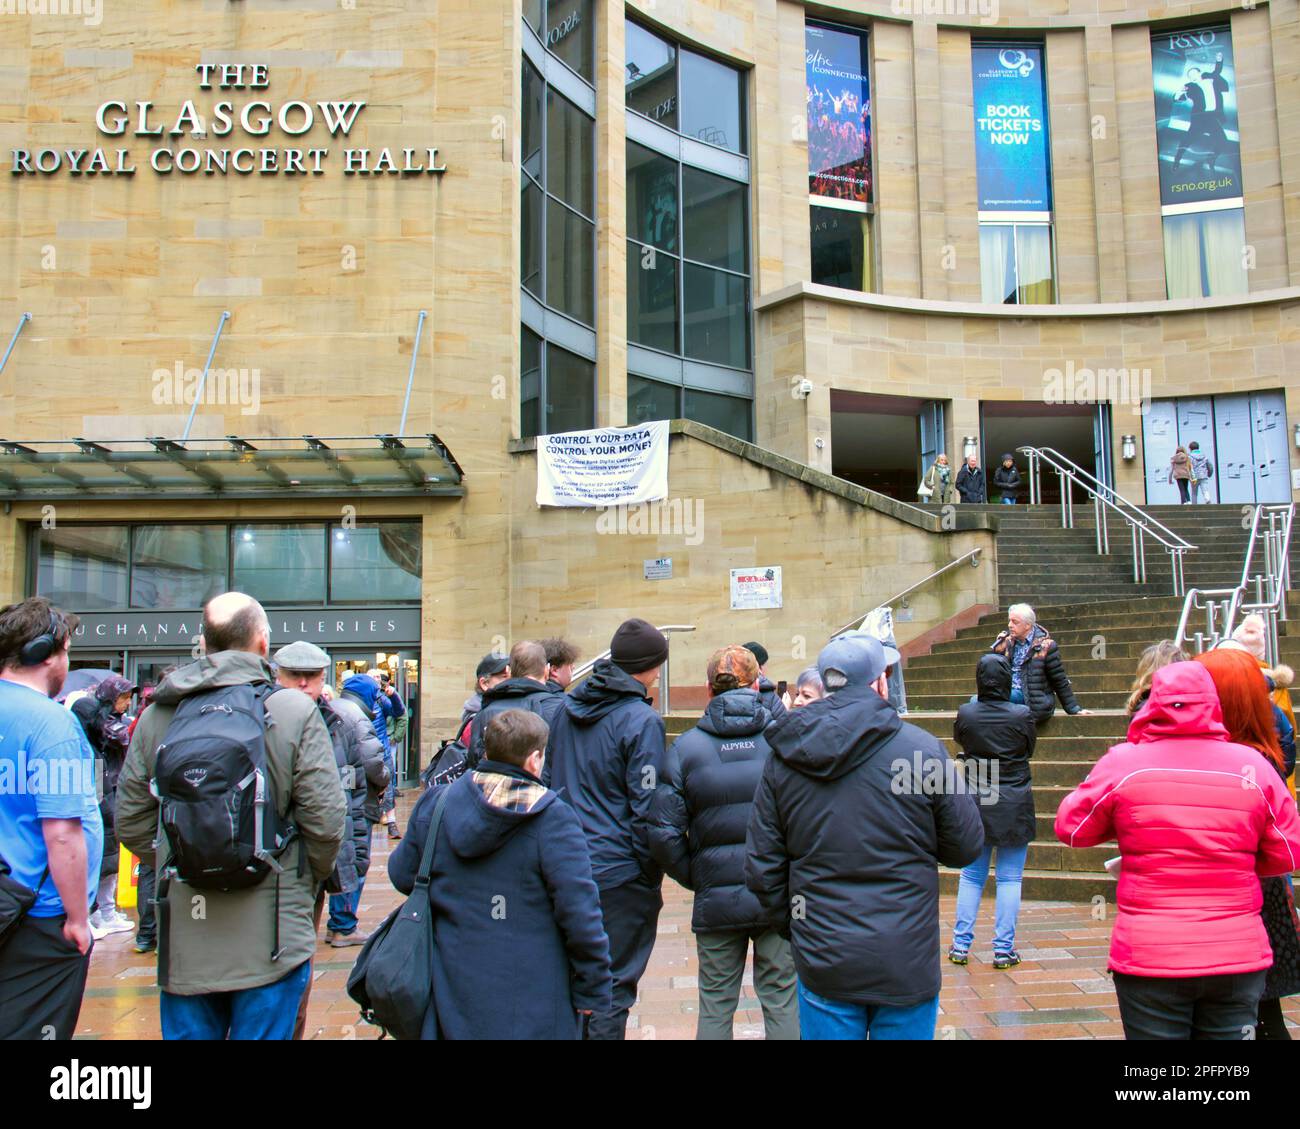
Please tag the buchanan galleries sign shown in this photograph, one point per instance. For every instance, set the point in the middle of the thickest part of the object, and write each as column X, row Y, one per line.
column 254, row 118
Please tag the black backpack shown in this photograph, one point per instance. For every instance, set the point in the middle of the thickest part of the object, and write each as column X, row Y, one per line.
column 216, row 808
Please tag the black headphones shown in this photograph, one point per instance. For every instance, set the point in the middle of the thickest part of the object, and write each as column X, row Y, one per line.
column 36, row 651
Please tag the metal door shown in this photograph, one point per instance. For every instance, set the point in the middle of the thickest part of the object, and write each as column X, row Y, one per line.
column 1159, row 441
column 1234, row 469
column 1102, row 452
column 1196, row 425
column 1271, row 456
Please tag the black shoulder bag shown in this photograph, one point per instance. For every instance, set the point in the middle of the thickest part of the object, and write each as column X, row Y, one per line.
column 392, row 981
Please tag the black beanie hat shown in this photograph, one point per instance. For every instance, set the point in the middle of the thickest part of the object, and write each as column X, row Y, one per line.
column 638, row 646
column 759, row 652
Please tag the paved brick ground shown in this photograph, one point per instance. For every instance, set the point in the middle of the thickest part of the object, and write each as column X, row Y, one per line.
column 1061, row 991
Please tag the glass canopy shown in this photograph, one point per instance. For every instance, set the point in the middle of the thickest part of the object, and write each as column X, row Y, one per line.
column 233, row 467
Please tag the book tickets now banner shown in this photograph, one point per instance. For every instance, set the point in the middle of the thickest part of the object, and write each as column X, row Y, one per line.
column 1196, row 116
column 839, row 113
column 1011, row 138
column 619, row 466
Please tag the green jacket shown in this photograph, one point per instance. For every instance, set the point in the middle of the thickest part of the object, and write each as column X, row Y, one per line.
column 222, row 942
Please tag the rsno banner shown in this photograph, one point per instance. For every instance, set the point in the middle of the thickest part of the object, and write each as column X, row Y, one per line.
column 617, row 466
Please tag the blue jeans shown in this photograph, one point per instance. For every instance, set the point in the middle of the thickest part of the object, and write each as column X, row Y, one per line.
column 1010, row 870
column 820, row 1018
column 1017, row 696
column 1008, row 501
column 268, row 1012
column 343, row 910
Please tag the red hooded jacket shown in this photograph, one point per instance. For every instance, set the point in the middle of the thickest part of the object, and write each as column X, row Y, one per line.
column 1199, row 821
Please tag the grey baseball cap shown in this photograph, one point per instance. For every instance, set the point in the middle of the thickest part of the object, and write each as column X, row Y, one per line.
column 301, row 655
column 860, row 658
column 892, row 657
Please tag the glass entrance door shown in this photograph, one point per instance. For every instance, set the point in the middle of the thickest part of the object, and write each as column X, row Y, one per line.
column 403, row 670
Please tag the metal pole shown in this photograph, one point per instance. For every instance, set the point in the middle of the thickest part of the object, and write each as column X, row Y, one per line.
column 203, row 380
column 410, row 378
column 22, row 321
column 664, row 682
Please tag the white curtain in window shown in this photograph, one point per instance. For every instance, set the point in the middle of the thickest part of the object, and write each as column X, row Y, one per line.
column 1224, row 237
column 997, row 263
column 1183, row 256
column 1034, row 250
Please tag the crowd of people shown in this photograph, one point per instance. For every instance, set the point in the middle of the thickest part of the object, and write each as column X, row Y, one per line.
column 939, row 485
column 803, row 819
column 839, row 145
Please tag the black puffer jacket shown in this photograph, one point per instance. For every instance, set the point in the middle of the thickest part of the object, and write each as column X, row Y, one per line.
column 512, row 694
column 1006, row 479
column 845, row 843
column 1043, row 675
column 702, row 810
column 997, row 736
column 769, row 699
column 606, row 758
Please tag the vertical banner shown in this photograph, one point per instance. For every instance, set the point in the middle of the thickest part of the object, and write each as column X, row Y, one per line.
column 1011, row 139
column 1196, row 116
column 839, row 113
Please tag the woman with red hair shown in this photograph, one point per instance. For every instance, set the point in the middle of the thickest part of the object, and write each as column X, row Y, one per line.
column 1248, row 716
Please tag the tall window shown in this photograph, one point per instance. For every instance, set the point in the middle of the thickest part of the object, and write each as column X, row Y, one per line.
column 689, row 288
column 557, row 218
column 1013, row 173
column 1199, row 154
column 840, row 185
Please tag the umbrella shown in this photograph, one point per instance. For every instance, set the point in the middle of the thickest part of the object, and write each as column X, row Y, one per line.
column 86, row 679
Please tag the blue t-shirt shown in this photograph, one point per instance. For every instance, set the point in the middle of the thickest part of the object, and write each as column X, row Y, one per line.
column 47, row 771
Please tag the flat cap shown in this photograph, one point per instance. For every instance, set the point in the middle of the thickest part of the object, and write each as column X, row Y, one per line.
column 301, row 655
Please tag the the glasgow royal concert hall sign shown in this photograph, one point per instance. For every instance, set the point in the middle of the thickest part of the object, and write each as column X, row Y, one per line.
column 228, row 137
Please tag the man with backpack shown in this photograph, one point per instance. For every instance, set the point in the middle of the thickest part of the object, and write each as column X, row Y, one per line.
column 235, row 929
column 1202, row 472
column 525, row 689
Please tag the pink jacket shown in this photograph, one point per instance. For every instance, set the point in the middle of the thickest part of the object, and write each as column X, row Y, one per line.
column 1199, row 821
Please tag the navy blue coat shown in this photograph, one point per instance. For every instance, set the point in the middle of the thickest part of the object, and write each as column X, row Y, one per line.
column 606, row 756
column 769, row 699
column 520, row 943
column 852, row 819
column 702, row 811
column 512, row 694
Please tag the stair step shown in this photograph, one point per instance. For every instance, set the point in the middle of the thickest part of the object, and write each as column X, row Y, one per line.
column 1049, row 885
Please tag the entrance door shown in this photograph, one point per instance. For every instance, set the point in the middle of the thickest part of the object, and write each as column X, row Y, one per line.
column 1234, row 470
column 147, row 670
column 1196, row 425
column 1271, row 458
column 932, row 431
column 1159, row 441
column 1101, row 446
column 403, row 668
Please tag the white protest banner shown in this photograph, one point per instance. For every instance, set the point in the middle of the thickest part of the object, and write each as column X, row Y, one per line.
column 613, row 466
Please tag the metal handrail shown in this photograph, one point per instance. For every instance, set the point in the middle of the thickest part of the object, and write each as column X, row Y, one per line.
column 1222, row 605
column 587, row 667
column 1141, row 524
column 972, row 556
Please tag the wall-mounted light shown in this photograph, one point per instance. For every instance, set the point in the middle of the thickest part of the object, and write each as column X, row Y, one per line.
column 1129, row 446
column 970, row 445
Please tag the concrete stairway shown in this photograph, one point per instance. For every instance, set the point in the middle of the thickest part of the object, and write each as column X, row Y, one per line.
column 1041, row 563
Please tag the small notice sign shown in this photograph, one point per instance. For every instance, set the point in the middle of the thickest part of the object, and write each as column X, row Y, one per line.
column 753, row 588
column 660, row 569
